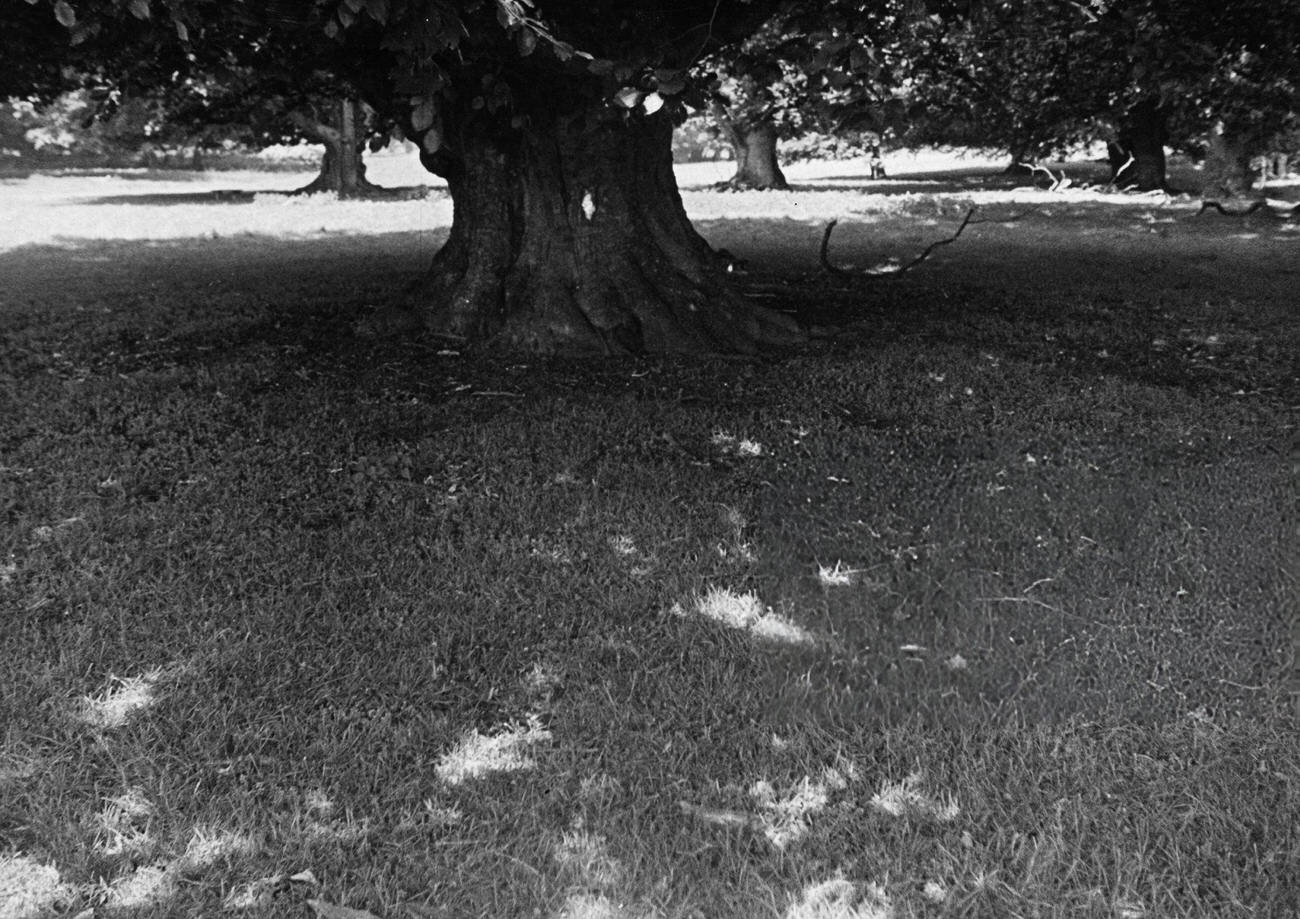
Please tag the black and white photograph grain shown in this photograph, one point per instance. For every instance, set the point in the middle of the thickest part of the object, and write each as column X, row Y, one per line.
column 682, row 459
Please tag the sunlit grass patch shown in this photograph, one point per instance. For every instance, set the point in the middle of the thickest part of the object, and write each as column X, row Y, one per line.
column 838, row 575
column 841, row 899
column 905, row 799
column 253, row 895
column 14, row 767
column 154, row 884
column 113, row 707
column 736, row 446
column 583, row 905
column 747, row 613
column 586, row 861
column 483, row 754
column 785, row 817
column 124, row 823
column 146, row 886
column 29, row 888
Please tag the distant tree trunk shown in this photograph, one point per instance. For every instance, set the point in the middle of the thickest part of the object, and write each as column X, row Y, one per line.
column 1137, row 155
column 754, row 147
column 1021, row 161
column 342, row 169
column 1226, row 172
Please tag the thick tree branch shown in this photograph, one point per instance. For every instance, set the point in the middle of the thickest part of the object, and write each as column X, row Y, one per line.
column 885, row 272
column 1058, row 182
column 314, row 128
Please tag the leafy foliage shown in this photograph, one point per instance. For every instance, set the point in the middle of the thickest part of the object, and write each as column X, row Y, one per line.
column 1039, row 75
column 416, row 61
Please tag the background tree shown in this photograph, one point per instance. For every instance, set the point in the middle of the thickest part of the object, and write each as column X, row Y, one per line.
column 1036, row 76
column 761, row 95
column 262, row 108
column 827, row 67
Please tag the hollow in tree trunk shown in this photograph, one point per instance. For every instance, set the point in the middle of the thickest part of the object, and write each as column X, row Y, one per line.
column 342, row 169
column 753, row 145
column 1226, row 173
column 571, row 237
column 1137, row 154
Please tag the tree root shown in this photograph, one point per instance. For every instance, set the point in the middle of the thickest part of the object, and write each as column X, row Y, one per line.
column 888, row 272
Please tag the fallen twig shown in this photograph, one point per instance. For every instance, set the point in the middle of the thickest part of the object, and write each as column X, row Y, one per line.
column 888, row 272
column 1255, row 208
column 1058, row 182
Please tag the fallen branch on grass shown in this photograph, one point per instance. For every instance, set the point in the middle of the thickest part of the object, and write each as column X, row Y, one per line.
column 1255, row 208
column 1058, row 183
column 884, row 272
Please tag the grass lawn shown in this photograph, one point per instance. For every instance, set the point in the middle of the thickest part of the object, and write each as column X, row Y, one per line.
column 984, row 604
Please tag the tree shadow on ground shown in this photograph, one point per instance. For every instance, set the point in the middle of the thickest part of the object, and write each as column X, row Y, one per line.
column 1192, row 310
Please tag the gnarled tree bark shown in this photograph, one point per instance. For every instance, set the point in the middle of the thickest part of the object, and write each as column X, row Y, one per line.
column 572, row 237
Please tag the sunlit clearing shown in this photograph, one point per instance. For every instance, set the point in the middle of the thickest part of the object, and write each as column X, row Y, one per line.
column 146, row 886
column 151, row 885
column 114, row 707
column 208, row 846
column 838, row 575
column 28, row 889
column 72, row 210
column 124, row 820
column 785, row 819
column 599, row 788
column 736, row 446
column 586, row 857
column 595, row 906
column 747, row 612
column 934, row 892
column 902, row 799
column 338, row 832
column 15, row 767
column 479, row 754
column 257, row 894
column 128, row 807
column 841, row 899
column 623, row 545
column 318, row 803
column 1129, row 909
column 542, row 682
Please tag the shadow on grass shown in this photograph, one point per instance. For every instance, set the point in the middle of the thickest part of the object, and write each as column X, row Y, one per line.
column 1206, row 315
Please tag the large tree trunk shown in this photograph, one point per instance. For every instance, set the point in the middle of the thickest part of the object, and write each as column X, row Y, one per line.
column 571, row 237
column 1137, row 155
column 754, row 147
column 342, row 169
column 1226, row 173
